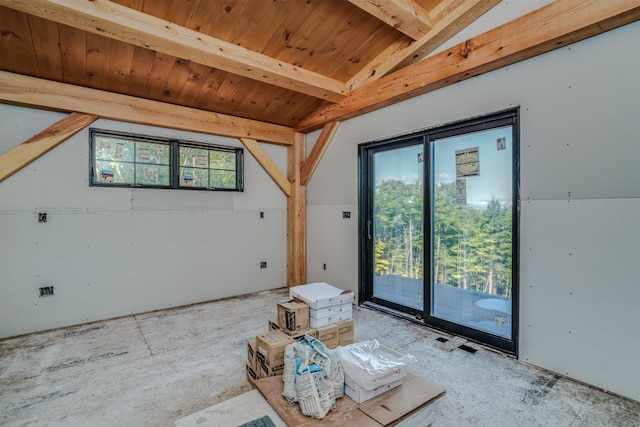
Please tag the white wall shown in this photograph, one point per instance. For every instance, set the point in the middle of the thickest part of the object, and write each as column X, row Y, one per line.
column 580, row 189
column 110, row 252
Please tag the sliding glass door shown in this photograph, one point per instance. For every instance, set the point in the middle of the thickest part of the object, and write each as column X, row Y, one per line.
column 439, row 227
column 396, row 228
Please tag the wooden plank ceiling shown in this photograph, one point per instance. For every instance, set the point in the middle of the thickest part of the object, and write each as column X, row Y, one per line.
column 272, row 61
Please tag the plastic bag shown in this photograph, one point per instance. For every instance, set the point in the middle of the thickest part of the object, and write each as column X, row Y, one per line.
column 370, row 365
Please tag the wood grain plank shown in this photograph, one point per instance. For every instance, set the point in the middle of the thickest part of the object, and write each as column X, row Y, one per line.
column 291, row 25
column 120, row 60
column 23, row 90
column 74, row 55
column 140, row 29
column 296, row 214
column 216, row 19
column 280, row 106
column 267, row 164
column 46, row 44
column 244, row 27
column 159, row 75
column 318, row 151
column 180, row 73
column 181, row 11
column 449, row 17
column 35, row 147
column 140, row 73
column 209, row 90
column 16, row 38
column 191, row 87
column 157, row 8
column 254, row 100
column 98, row 53
column 300, row 109
column 321, row 37
column 133, row 4
column 553, row 26
column 404, row 15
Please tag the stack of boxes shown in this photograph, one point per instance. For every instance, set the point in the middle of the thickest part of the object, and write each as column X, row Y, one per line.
column 318, row 310
column 385, row 379
column 327, row 304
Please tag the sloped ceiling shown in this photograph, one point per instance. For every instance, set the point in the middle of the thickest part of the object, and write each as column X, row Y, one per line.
column 274, row 61
column 297, row 64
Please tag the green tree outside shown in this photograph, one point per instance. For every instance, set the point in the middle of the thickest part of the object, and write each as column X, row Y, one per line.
column 471, row 246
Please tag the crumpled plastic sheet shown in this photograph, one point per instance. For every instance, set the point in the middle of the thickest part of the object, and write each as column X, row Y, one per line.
column 371, row 366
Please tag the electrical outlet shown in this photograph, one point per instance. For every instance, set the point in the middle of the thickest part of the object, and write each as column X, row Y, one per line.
column 263, row 264
column 261, row 214
column 324, row 266
column 46, row 291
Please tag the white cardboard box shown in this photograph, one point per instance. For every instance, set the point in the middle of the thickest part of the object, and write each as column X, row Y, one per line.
column 320, row 295
column 324, row 321
column 373, row 381
column 331, row 311
column 360, row 395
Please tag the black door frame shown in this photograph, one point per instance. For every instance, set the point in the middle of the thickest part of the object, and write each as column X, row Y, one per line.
column 365, row 220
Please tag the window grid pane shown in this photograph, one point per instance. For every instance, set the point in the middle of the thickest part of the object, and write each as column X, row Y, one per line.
column 127, row 160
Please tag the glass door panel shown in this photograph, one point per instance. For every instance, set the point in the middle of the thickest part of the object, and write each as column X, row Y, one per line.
column 471, row 230
column 438, row 215
column 397, row 229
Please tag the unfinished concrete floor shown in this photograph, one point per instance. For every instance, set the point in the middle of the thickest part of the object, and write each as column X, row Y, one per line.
column 152, row 369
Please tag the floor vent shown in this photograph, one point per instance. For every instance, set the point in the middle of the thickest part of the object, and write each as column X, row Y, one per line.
column 455, row 342
column 467, row 348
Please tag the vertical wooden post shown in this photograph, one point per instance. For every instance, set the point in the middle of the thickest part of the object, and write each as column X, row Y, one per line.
column 296, row 214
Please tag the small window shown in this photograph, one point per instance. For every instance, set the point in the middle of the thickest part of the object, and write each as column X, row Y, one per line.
column 126, row 160
column 207, row 168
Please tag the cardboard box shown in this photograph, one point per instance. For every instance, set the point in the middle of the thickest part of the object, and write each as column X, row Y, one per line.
column 360, row 395
column 414, row 396
column 251, row 354
column 346, row 341
column 266, row 370
column 332, row 310
column 251, row 374
column 346, row 330
column 324, row 321
column 329, row 335
column 382, row 376
column 273, row 325
column 270, row 347
column 320, row 295
column 293, row 315
column 297, row 336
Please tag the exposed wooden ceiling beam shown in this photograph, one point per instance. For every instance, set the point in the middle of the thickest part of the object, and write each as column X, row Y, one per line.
column 448, row 17
column 404, row 15
column 118, row 22
column 550, row 27
column 30, row 91
column 36, row 146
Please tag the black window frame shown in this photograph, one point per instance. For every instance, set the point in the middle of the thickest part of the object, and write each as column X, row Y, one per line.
column 174, row 168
